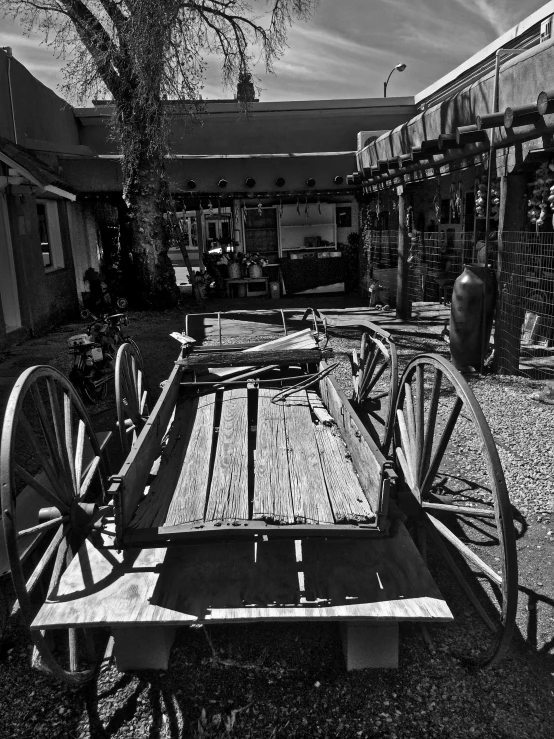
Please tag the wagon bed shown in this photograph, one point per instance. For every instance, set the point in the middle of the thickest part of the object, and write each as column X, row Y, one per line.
column 255, row 492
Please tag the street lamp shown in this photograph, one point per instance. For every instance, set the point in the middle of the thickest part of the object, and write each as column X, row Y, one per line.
column 400, row 68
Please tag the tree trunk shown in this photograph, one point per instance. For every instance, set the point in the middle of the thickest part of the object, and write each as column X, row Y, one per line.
column 152, row 278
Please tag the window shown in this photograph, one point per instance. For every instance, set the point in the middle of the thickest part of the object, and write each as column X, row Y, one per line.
column 49, row 234
column 344, row 217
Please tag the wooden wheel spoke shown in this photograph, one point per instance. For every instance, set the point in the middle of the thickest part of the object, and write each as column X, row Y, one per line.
column 92, row 470
column 405, row 468
column 143, row 403
column 441, row 447
column 411, row 423
column 48, row 495
column 42, row 527
column 430, row 425
column 130, row 383
column 460, row 510
column 407, row 445
column 41, row 458
column 419, row 413
column 131, row 394
column 59, row 427
column 451, row 563
column 376, row 377
column 58, row 568
column 47, row 431
column 369, row 372
column 68, row 422
column 79, row 450
column 465, row 550
column 42, row 565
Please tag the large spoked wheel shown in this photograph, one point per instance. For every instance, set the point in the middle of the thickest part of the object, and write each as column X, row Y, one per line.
column 375, row 377
column 454, row 490
column 46, row 439
column 131, row 394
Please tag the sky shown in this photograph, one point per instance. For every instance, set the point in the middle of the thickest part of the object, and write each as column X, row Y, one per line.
column 347, row 48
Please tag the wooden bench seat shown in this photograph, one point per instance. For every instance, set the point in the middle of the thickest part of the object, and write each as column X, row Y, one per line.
column 236, row 456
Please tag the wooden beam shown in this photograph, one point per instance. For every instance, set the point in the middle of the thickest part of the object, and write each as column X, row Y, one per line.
column 282, row 357
column 131, row 480
column 403, row 302
column 368, row 461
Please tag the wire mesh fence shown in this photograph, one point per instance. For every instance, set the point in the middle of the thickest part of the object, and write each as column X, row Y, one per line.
column 523, row 331
column 379, row 266
column 524, row 327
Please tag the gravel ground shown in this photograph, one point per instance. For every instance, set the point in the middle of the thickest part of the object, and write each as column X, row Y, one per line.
column 280, row 681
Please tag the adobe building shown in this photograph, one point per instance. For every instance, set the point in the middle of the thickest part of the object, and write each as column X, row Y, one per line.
column 272, row 182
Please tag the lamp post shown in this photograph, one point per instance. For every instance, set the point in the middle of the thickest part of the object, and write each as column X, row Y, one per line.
column 400, row 68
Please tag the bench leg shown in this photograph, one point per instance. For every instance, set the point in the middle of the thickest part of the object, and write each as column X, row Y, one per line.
column 145, row 648
column 367, row 645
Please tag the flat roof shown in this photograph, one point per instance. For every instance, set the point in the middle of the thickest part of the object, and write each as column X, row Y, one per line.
column 276, row 107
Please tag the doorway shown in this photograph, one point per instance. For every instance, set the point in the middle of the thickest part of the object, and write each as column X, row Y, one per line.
column 8, row 282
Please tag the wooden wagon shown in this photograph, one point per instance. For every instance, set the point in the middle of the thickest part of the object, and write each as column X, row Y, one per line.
column 256, row 490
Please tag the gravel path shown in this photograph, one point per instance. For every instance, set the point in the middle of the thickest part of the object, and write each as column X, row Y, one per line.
column 271, row 682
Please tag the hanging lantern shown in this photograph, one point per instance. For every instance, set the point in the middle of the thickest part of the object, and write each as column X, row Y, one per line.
column 280, row 181
column 310, row 182
column 250, row 182
column 191, row 185
column 222, row 183
column 338, row 180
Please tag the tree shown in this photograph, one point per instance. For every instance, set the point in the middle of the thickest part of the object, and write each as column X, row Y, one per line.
column 146, row 53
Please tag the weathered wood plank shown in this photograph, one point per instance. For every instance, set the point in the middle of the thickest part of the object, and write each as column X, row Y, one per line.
column 319, row 410
column 368, row 460
column 145, row 450
column 380, row 579
column 348, row 500
column 309, row 492
column 228, row 496
column 255, row 359
column 152, row 509
column 189, row 499
column 272, row 491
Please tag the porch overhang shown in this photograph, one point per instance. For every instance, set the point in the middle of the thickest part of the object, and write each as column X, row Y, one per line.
column 26, row 165
column 455, row 124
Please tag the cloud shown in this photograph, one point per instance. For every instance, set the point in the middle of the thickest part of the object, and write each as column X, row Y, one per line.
column 347, row 48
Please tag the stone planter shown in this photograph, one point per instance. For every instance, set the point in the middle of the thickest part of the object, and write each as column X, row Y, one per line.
column 235, row 270
column 255, row 270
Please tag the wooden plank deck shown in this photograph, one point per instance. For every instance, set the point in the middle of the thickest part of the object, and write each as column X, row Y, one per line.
column 381, row 579
column 309, row 493
column 228, row 497
column 295, row 468
column 272, row 491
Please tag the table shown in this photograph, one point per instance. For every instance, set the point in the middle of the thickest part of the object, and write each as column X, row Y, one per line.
column 244, row 281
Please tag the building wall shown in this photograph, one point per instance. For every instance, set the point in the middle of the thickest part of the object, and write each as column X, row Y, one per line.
column 270, row 128
column 46, row 298
column 39, row 112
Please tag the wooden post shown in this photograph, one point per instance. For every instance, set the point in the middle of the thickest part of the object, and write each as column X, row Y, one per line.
column 403, row 302
column 200, row 237
column 509, row 313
